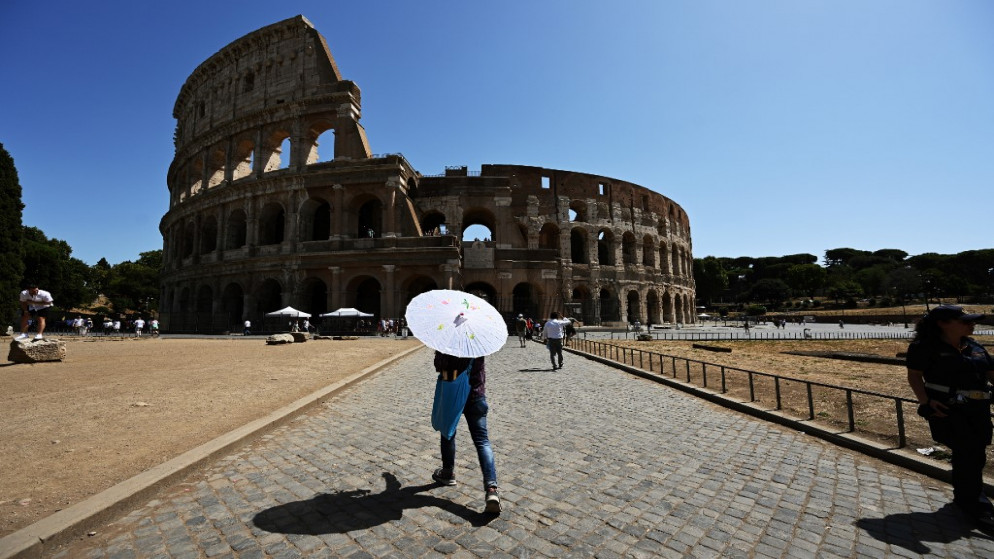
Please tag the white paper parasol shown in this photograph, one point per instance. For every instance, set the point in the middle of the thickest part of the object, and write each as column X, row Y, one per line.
column 290, row 312
column 456, row 323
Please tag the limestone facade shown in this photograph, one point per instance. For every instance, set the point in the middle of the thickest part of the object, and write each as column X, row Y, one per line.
column 260, row 218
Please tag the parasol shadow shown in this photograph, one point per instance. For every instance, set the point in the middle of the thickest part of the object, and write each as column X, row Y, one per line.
column 345, row 511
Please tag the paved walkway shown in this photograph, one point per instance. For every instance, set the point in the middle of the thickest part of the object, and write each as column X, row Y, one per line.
column 592, row 463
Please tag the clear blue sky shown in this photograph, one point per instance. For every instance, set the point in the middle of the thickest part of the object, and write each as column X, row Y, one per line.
column 780, row 126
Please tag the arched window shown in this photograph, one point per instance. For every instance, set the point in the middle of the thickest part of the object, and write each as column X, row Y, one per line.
column 578, row 246
column 648, row 252
column 272, row 222
column 605, row 248
column 628, row 250
column 208, row 235
column 236, row 230
column 548, row 237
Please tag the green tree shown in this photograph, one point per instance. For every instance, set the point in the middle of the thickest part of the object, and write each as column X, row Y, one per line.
column 710, row 278
column 49, row 263
column 135, row 285
column 806, row 278
column 11, row 236
column 769, row 290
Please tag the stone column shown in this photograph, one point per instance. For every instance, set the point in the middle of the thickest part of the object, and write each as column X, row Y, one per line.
column 335, row 289
column 390, row 228
column 389, row 298
column 505, row 221
column 338, row 225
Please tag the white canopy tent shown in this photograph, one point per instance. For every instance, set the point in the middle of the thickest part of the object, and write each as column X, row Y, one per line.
column 289, row 312
column 347, row 312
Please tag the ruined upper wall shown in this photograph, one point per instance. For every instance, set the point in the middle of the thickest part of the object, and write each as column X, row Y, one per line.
column 280, row 63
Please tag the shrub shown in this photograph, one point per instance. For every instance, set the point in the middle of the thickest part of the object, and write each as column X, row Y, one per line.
column 755, row 310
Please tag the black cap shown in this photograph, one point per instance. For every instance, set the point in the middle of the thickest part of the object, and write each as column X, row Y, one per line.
column 953, row 312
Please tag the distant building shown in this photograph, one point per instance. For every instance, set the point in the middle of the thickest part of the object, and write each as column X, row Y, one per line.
column 276, row 199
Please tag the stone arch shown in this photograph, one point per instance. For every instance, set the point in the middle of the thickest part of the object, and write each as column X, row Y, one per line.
column 480, row 216
column 433, row 223
column 272, row 150
column 215, row 167
column 313, row 296
column 184, row 303
column 269, row 296
column 610, row 309
column 675, row 260
column 205, row 299
column 272, row 224
column 320, row 131
column 679, row 309
column 368, row 212
column 634, row 301
column 196, row 176
column 526, row 300
column 578, row 246
column 628, row 249
column 648, row 252
column 315, row 220
column 605, row 247
column 233, row 302
column 578, row 211
column 189, row 236
column 236, row 230
column 652, row 307
column 208, row 235
column 583, row 300
column 364, row 292
column 548, row 236
column 484, row 291
column 668, row 307
column 416, row 285
column 243, row 158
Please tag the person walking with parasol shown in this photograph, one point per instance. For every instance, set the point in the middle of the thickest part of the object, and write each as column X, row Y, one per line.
column 462, row 329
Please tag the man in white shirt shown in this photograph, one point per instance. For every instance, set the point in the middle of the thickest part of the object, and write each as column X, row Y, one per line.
column 553, row 332
column 34, row 304
column 139, row 326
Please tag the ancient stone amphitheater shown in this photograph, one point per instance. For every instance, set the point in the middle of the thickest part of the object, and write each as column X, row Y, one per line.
column 276, row 199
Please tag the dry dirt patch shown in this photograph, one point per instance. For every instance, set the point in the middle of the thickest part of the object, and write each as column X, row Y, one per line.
column 874, row 417
column 116, row 408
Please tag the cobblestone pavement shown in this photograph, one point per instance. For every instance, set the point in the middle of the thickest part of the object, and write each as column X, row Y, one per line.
column 592, row 462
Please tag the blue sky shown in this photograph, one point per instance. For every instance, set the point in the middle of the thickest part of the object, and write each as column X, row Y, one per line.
column 780, row 126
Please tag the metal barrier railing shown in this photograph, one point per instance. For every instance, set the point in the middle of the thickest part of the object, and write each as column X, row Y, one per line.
column 676, row 367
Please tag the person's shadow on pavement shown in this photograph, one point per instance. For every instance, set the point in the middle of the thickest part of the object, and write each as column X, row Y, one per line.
column 344, row 511
column 911, row 530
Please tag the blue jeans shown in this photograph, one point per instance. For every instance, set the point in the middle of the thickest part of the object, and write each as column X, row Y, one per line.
column 476, row 416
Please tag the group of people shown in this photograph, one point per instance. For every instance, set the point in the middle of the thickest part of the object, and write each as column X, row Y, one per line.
column 556, row 332
column 36, row 304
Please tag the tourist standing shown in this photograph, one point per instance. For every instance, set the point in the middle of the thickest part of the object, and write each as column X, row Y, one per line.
column 139, row 326
column 950, row 375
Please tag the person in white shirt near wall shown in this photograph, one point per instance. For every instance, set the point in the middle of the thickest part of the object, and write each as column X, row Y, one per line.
column 34, row 304
column 553, row 332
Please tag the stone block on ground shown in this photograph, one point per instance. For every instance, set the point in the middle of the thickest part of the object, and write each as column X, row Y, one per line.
column 277, row 339
column 299, row 337
column 36, row 351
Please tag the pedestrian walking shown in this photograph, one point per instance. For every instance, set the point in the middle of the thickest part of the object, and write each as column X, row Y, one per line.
column 247, row 330
column 462, row 329
column 521, row 326
column 951, row 376
column 553, row 332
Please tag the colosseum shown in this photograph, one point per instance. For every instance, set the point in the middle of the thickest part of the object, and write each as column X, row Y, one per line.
column 276, row 199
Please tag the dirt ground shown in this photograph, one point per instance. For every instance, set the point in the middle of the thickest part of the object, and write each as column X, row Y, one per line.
column 117, row 407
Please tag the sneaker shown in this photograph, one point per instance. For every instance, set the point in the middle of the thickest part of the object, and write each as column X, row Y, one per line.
column 22, row 336
column 492, row 500
column 443, row 477
column 39, row 337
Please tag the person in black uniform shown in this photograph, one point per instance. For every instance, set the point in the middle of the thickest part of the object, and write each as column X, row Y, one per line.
column 950, row 375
